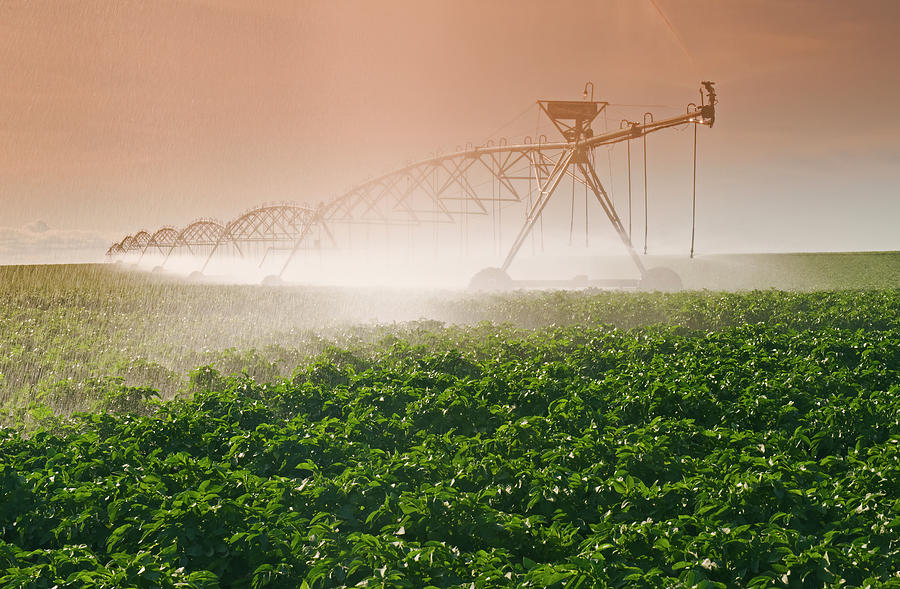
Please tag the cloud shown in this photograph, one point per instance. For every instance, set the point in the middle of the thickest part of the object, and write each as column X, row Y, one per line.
column 38, row 243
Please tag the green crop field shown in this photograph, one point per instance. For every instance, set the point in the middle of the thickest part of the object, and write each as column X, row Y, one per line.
column 158, row 433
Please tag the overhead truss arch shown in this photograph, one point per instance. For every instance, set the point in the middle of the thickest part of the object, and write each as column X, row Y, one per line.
column 450, row 189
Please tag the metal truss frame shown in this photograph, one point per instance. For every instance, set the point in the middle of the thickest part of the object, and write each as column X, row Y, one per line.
column 442, row 189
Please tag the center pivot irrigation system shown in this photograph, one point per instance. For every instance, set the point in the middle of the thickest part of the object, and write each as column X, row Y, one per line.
column 467, row 200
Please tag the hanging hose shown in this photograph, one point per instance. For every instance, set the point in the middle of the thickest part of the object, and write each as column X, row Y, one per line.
column 499, row 218
column 628, row 147
column 645, row 193
column 572, row 218
column 586, row 242
column 464, row 226
column 646, row 114
column 530, row 173
column 541, row 139
column 609, row 149
column 528, row 210
column 466, row 240
column 493, row 210
column 502, row 141
column 694, row 194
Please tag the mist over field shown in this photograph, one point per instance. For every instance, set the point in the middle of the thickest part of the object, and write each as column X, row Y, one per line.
column 727, row 272
column 80, row 322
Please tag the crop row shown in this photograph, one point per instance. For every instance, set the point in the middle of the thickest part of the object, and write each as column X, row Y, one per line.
column 750, row 456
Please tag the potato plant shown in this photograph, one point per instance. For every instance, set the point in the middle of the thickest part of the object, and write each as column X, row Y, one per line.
column 691, row 440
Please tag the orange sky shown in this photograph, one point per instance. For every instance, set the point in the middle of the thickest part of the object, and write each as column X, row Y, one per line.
column 121, row 115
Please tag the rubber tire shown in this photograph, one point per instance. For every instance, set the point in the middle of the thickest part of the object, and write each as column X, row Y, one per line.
column 661, row 280
column 491, row 279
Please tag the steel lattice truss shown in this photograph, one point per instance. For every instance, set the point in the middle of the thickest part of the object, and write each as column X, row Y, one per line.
column 445, row 189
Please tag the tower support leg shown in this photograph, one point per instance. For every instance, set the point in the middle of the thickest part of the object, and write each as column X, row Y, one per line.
column 590, row 176
column 534, row 214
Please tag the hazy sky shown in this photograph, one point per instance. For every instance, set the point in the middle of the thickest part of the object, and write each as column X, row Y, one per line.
column 121, row 115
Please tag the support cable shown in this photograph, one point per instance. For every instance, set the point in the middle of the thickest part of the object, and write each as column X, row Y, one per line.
column 511, row 121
